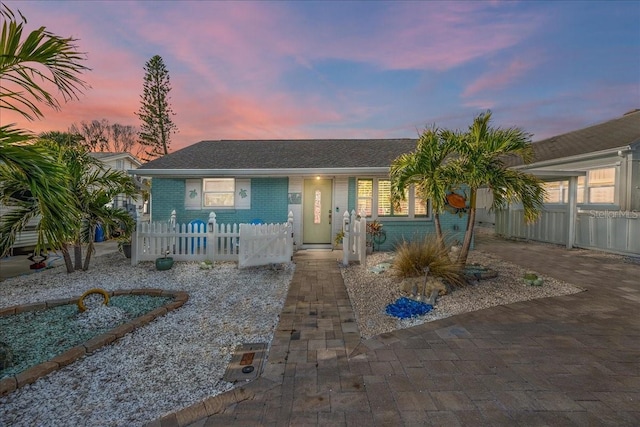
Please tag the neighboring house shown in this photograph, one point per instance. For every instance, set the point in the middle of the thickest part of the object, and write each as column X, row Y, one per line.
column 317, row 180
column 124, row 162
column 592, row 178
column 120, row 161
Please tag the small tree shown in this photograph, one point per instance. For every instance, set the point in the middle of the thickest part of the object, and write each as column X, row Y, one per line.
column 155, row 111
column 480, row 163
column 427, row 170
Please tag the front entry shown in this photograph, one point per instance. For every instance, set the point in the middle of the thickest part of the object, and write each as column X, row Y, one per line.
column 317, row 212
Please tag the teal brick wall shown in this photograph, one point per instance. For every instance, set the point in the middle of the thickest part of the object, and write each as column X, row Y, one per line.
column 269, row 202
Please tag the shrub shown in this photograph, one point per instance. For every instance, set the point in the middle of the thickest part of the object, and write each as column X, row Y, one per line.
column 412, row 257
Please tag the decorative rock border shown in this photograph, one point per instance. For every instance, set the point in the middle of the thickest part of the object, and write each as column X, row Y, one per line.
column 30, row 375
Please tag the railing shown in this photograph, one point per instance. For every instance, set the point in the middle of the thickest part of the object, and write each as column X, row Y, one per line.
column 354, row 242
column 247, row 244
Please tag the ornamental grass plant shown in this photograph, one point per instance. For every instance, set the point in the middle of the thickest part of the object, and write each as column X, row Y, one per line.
column 412, row 257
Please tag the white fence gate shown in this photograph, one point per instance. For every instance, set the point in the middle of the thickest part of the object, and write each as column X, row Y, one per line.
column 262, row 244
column 354, row 242
column 247, row 244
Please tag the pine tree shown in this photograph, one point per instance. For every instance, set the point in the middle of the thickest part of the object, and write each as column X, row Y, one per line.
column 155, row 111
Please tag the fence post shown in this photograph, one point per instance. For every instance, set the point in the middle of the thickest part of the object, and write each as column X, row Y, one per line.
column 346, row 239
column 362, row 243
column 212, row 242
column 290, row 230
column 134, row 245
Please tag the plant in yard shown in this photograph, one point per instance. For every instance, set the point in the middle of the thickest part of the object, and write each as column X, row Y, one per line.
column 165, row 262
column 337, row 240
column 427, row 168
column 30, row 67
column 413, row 257
column 479, row 162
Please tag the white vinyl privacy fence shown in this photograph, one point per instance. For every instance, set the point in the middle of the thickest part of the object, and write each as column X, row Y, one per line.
column 612, row 231
column 247, row 244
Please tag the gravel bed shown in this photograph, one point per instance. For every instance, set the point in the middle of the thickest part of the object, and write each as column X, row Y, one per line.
column 38, row 336
column 371, row 292
column 171, row 363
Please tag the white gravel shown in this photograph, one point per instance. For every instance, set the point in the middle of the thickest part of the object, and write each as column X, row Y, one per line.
column 175, row 361
column 371, row 292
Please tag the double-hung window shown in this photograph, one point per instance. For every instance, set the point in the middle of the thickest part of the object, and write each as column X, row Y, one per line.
column 598, row 186
column 218, row 192
column 556, row 192
column 374, row 199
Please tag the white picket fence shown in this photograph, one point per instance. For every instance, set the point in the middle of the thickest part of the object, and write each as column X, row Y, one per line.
column 354, row 242
column 247, row 244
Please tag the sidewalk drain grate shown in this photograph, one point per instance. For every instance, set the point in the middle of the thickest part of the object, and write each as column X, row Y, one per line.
column 246, row 362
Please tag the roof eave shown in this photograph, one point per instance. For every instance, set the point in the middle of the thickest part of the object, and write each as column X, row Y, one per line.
column 186, row 173
column 579, row 157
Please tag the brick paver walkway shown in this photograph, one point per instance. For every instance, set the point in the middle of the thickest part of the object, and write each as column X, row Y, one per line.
column 572, row 360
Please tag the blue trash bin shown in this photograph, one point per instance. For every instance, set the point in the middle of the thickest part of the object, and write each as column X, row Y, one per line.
column 99, row 237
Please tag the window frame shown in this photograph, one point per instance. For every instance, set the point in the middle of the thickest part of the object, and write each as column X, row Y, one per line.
column 411, row 203
column 232, row 192
column 584, row 189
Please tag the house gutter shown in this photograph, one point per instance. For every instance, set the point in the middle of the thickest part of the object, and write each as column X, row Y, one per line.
column 199, row 173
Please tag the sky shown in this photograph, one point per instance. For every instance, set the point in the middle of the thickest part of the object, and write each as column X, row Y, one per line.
column 340, row 69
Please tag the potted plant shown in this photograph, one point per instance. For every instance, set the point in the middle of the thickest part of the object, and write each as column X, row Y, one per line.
column 164, row 263
column 375, row 234
column 124, row 246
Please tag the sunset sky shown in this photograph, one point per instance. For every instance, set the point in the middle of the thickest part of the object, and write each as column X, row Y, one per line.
column 292, row 70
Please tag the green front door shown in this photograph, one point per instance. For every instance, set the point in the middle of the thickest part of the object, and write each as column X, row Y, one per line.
column 316, row 215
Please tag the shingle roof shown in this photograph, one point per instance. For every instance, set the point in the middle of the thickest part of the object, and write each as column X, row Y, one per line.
column 612, row 134
column 318, row 154
column 285, row 154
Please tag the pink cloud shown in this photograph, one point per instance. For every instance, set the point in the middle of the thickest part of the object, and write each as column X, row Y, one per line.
column 500, row 76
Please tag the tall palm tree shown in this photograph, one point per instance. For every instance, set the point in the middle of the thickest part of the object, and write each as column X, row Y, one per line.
column 429, row 170
column 29, row 66
column 480, row 163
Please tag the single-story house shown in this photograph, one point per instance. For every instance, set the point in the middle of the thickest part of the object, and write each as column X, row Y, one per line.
column 592, row 178
column 317, row 180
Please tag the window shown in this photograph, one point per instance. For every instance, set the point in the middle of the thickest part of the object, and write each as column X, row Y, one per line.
column 598, row 186
column 556, row 192
column 120, row 164
column 374, row 195
column 218, row 192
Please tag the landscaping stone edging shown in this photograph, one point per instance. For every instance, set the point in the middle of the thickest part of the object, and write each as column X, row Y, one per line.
column 30, row 375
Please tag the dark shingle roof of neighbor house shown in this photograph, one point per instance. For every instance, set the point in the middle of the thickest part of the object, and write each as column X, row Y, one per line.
column 612, row 134
column 285, row 154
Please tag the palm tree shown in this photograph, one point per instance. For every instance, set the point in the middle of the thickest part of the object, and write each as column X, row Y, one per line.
column 28, row 67
column 480, row 162
column 93, row 186
column 428, row 169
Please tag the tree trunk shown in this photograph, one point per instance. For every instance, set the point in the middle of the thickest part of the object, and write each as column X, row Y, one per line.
column 87, row 259
column 468, row 234
column 439, row 236
column 90, row 248
column 77, row 255
column 67, row 258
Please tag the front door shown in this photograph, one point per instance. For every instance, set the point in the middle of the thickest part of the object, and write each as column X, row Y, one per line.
column 316, row 212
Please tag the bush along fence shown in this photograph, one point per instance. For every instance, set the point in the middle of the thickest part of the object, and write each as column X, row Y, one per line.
column 354, row 242
column 247, row 244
